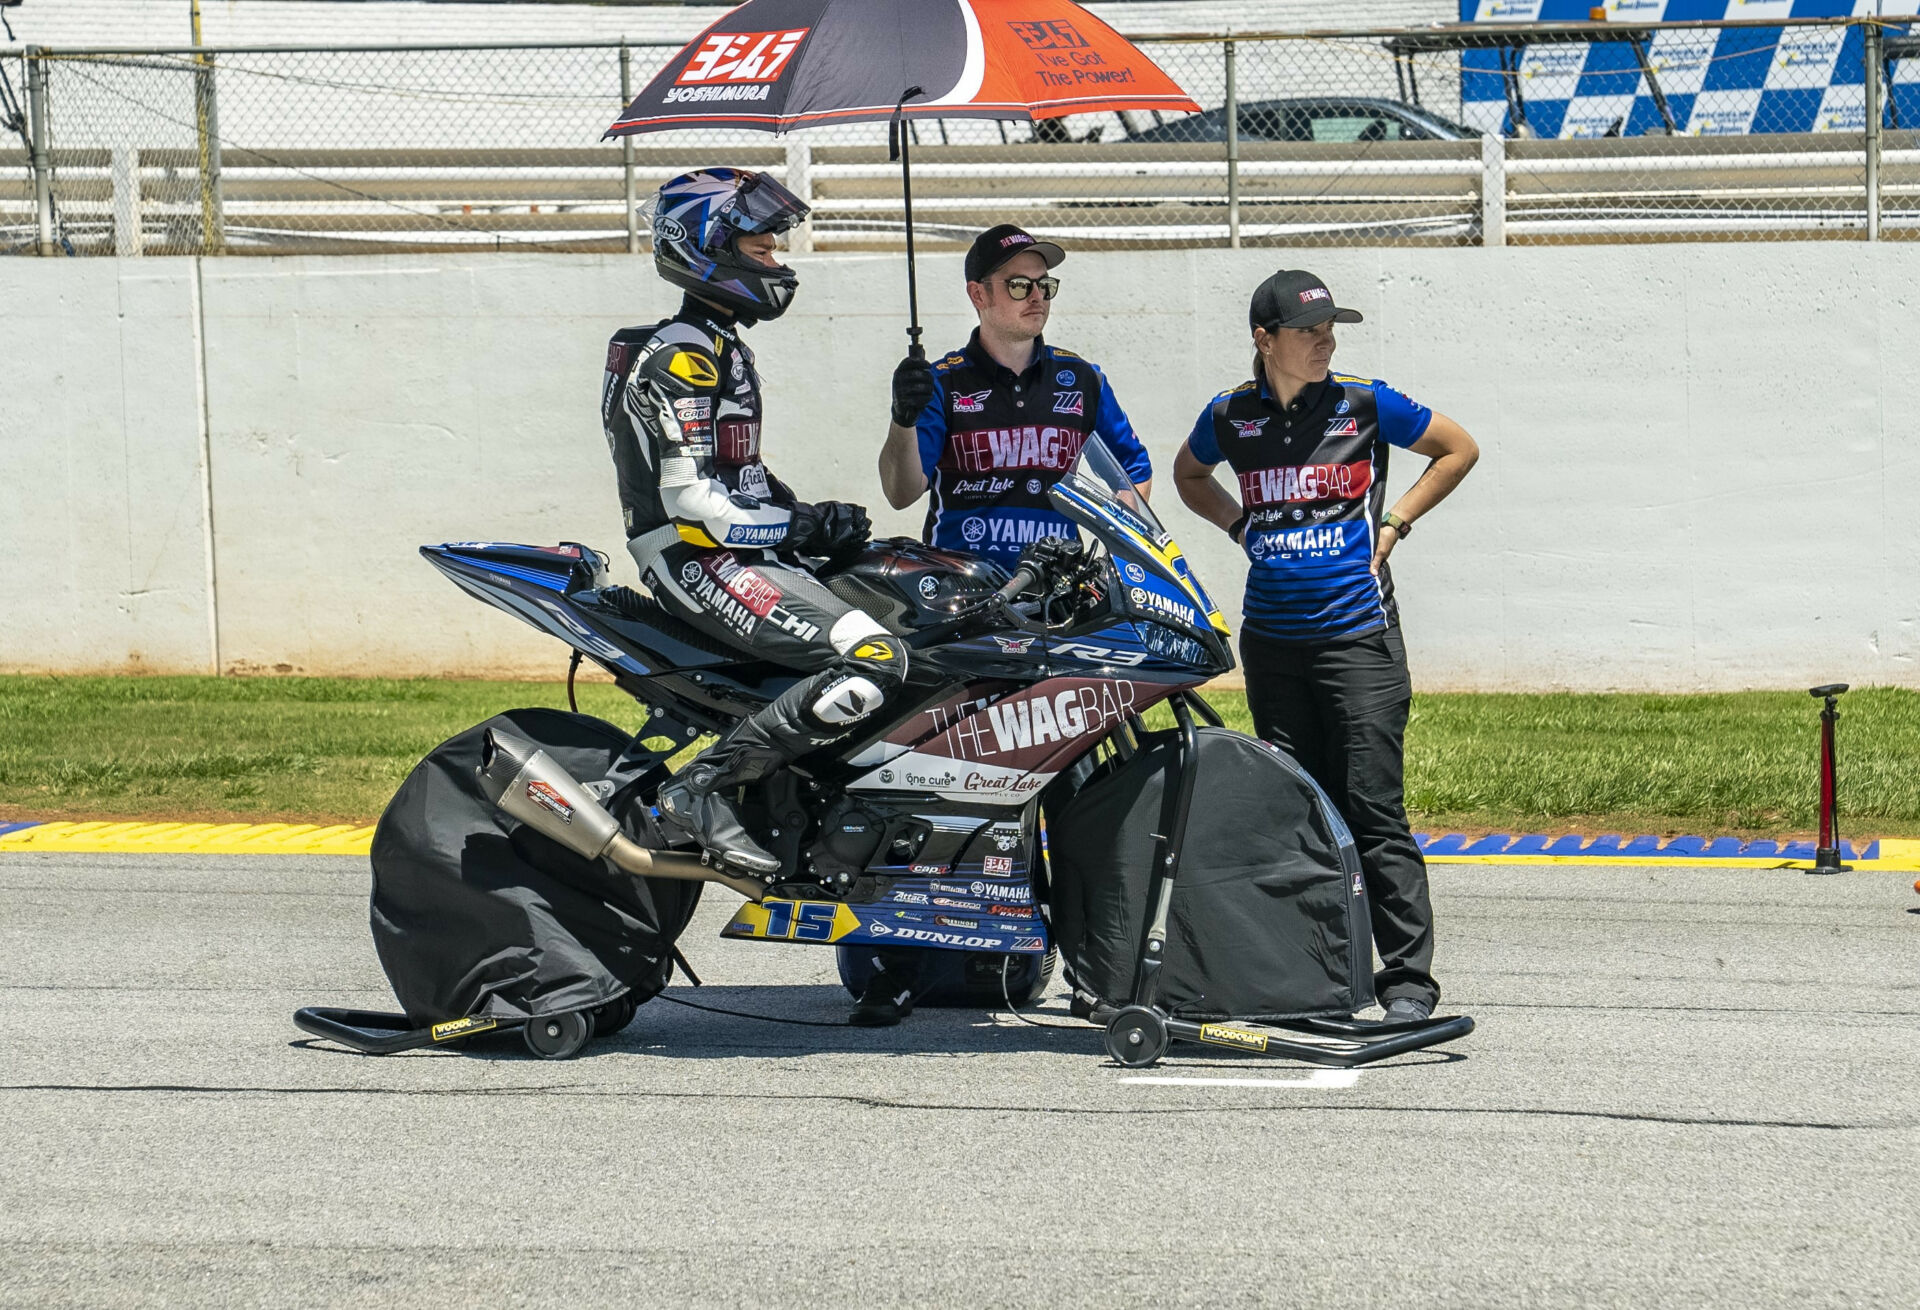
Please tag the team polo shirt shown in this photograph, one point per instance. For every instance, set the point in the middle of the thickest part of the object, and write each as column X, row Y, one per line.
column 1313, row 480
column 992, row 441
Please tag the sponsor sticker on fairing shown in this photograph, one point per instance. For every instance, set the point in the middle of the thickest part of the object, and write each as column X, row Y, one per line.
column 996, row 864
column 932, row 938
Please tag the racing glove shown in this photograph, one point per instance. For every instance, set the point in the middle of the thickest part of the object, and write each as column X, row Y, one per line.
column 831, row 527
column 912, row 389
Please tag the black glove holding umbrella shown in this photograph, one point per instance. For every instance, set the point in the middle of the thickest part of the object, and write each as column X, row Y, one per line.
column 774, row 65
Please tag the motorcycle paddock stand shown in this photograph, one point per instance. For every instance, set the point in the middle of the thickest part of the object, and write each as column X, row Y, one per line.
column 551, row 1037
column 1140, row 1032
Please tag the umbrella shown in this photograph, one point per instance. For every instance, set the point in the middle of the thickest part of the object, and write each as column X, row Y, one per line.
column 774, row 65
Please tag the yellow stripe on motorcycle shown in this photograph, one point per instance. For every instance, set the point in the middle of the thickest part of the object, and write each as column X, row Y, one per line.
column 1167, row 556
column 821, row 922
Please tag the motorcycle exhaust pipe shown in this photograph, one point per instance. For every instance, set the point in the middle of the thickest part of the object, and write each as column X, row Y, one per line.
column 525, row 783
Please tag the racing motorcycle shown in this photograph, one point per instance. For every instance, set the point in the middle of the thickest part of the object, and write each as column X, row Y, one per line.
column 922, row 829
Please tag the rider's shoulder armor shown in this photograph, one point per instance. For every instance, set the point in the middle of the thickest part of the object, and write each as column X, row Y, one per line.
column 681, row 360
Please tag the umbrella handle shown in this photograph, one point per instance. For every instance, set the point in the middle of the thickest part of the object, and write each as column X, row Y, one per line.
column 898, row 148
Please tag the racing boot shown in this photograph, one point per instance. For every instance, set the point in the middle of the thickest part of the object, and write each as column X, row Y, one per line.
column 887, row 999
column 697, row 805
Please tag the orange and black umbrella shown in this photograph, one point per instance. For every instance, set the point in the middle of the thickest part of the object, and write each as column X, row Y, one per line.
column 775, row 65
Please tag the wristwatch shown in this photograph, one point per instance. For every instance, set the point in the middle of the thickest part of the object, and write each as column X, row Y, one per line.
column 1398, row 524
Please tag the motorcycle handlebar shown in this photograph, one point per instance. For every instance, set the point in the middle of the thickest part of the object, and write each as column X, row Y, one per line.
column 1024, row 574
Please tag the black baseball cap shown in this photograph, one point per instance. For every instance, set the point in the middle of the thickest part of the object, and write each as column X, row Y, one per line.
column 997, row 245
column 1292, row 298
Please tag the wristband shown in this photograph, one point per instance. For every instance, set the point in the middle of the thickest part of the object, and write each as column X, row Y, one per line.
column 1233, row 528
column 1398, row 524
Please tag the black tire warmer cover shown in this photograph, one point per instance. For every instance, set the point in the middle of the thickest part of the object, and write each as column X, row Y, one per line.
column 474, row 914
column 1269, row 916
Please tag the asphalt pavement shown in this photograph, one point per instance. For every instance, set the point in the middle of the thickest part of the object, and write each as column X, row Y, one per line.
column 1689, row 1087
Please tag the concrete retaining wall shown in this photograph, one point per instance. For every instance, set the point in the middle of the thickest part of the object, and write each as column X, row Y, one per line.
column 1699, row 471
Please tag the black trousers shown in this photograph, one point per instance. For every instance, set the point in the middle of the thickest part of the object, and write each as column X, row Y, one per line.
column 1340, row 709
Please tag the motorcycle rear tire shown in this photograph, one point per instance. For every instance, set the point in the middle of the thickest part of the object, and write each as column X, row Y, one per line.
column 616, row 1014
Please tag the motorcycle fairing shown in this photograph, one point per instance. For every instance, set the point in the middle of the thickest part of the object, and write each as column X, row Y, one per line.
column 970, row 888
column 1130, row 539
column 509, row 577
column 1002, row 746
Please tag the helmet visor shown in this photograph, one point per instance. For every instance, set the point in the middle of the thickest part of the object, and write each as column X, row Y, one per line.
column 763, row 205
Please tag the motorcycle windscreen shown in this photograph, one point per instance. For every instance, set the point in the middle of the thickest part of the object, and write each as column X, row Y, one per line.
column 1098, row 494
column 1269, row 915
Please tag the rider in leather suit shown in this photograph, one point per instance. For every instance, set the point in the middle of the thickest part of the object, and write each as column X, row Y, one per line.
column 682, row 410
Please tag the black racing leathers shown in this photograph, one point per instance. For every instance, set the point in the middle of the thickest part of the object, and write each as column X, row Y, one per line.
column 682, row 410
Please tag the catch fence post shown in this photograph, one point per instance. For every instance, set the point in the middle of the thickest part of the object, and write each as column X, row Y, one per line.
column 1493, row 190
column 37, row 133
column 206, row 126
column 1233, row 149
column 128, row 240
column 1871, row 69
column 626, row 151
column 800, row 182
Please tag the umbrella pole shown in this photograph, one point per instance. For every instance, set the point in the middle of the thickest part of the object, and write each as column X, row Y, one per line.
column 903, row 152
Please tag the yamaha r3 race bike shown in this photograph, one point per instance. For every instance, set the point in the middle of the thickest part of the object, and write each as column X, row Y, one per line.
column 921, row 829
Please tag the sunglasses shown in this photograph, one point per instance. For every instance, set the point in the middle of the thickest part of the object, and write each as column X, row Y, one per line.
column 1022, row 287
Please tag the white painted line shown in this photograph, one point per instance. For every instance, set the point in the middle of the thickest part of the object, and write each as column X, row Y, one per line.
column 1323, row 1078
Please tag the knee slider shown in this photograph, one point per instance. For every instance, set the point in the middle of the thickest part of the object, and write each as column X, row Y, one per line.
column 847, row 699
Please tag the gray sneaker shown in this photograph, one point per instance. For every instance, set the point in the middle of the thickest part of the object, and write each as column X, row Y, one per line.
column 1408, row 1009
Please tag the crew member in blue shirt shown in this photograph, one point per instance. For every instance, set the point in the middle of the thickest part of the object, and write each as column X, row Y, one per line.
column 1320, row 634
column 989, row 428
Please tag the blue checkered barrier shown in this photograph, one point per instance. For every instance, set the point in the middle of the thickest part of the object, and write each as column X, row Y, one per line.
column 1642, row 849
column 1724, row 81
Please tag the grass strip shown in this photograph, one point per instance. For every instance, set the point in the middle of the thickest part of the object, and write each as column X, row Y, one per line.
column 329, row 750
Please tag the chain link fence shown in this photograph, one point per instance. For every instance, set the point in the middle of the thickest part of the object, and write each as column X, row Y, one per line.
column 1462, row 135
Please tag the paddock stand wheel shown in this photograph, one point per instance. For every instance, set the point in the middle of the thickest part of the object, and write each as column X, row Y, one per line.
column 558, row 1036
column 1137, row 1037
column 616, row 1014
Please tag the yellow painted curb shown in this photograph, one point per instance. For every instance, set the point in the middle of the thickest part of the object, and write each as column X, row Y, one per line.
column 1894, row 863
column 190, row 838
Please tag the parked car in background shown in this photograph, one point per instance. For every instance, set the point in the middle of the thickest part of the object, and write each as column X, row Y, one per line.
column 1314, row 118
